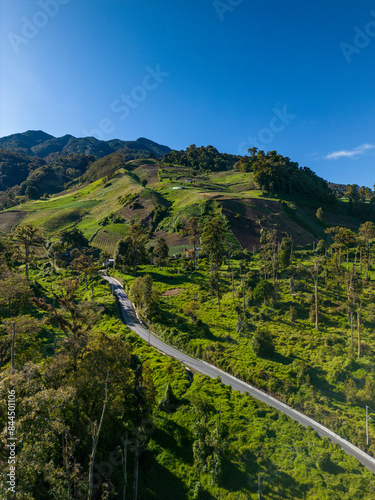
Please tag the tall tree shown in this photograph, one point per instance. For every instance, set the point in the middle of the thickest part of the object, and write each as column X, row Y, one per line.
column 143, row 295
column 29, row 237
column 161, row 250
column 315, row 275
column 213, row 238
column 131, row 251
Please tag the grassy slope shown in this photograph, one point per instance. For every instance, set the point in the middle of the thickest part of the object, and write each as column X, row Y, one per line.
column 259, row 440
column 311, row 369
column 234, row 192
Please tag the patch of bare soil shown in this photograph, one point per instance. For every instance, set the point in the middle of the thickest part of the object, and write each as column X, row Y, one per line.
column 172, row 292
column 247, row 217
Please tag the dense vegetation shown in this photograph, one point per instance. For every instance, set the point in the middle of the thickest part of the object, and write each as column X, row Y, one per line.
column 201, row 158
column 164, row 432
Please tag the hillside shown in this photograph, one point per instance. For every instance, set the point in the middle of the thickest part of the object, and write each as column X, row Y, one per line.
column 163, row 197
column 228, row 267
column 35, row 164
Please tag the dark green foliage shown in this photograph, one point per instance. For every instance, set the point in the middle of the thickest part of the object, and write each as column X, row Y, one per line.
column 160, row 251
column 105, row 167
column 202, row 158
column 131, row 251
column 169, row 402
column 262, row 344
column 263, row 291
column 324, row 461
column 15, row 168
column 144, row 296
column 276, row 174
column 73, row 238
column 32, row 192
column 285, row 252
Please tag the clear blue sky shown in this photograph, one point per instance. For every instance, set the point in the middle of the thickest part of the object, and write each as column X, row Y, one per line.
column 198, row 72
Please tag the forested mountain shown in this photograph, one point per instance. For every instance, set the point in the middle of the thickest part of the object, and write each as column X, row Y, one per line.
column 37, row 164
column 38, row 143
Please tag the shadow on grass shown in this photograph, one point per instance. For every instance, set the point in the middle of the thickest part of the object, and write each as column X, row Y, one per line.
column 157, row 482
column 166, row 438
column 280, row 358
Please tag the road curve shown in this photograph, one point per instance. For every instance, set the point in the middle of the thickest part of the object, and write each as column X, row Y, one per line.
column 132, row 322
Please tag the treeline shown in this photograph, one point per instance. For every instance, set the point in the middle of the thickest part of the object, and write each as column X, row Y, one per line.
column 279, row 176
column 204, row 158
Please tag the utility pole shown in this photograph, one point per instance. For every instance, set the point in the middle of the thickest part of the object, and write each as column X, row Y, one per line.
column 149, row 328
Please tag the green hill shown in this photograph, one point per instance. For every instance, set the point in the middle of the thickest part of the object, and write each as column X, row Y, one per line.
column 279, row 293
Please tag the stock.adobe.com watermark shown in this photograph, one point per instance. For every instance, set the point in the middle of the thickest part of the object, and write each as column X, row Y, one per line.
column 11, row 442
column 222, row 7
column 278, row 123
column 31, row 26
column 362, row 39
column 125, row 103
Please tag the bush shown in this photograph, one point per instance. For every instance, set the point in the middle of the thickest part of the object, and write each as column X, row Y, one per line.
column 262, row 344
column 169, row 402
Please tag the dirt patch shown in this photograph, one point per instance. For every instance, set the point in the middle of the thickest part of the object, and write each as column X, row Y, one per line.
column 172, row 292
column 248, row 216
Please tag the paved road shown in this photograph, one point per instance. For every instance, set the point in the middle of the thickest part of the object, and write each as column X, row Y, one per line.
column 238, row 385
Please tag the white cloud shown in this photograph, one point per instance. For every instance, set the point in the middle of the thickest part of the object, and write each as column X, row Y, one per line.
column 351, row 153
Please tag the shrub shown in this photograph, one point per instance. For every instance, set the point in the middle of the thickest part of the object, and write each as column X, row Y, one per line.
column 262, row 344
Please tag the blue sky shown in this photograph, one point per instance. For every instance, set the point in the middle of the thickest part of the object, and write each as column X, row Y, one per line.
column 296, row 77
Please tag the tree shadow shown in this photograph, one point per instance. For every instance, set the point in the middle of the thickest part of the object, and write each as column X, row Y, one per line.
column 156, row 481
column 280, row 358
column 166, row 438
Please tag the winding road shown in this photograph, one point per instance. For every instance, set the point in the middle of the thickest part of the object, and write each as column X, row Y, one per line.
column 132, row 322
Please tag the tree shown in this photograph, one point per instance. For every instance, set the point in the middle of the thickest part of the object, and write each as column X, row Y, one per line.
column 74, row 238
column 132, row 250
column 367, row 233
column 315, row 275
column 160, row 252
column 22, row 332
column 84, row 264
column 352, row 193
column 73, row 317
column 320, row 214
column 15, row 291
column 32, row 192
column 213, row 239
column 95, row 431
column 285, row 252
column 30, row 237
column 143, row 295
column 262, row 344
column 169, row 402
column 263, row 291
column 193, row 229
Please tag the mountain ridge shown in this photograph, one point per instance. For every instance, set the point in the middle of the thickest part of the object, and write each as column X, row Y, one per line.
column 46, row 146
